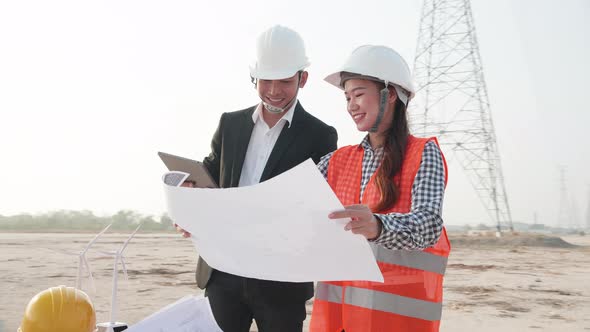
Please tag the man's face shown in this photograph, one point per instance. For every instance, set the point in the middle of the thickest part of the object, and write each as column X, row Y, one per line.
column 280, row 93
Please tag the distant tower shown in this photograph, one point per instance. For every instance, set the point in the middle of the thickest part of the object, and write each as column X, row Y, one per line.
column 574, row 214
column 588, row 211
column 564, row 216
column 452, row 100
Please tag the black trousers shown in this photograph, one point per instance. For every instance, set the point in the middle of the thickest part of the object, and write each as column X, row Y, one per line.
column 275, row 306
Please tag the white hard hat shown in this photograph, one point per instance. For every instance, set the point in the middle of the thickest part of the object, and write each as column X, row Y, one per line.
column 280, row 53
column 381, row 63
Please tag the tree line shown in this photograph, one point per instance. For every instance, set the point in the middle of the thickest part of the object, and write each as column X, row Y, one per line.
column 67, row 220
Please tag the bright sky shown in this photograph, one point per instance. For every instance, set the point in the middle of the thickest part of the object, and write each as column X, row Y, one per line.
column 91, row 90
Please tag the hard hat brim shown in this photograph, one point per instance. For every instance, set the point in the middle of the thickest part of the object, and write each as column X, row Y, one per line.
column 274, row 74
column 334, row 79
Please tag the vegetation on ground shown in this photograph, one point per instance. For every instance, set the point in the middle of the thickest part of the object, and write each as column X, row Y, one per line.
column 83, row 221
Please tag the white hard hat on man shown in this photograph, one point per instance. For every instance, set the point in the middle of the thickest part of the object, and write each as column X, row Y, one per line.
column 280, row 53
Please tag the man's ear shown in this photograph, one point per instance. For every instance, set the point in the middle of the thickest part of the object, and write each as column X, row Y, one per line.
column 303, row 79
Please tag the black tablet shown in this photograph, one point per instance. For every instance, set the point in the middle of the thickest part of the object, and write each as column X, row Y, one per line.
column 197, row 170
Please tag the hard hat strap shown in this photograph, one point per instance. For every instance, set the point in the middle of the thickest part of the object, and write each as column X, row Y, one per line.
column 383, row 94
column 272, row 109
column 401, row 94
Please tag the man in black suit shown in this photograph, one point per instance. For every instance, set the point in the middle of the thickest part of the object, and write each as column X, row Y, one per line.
column 253, row 145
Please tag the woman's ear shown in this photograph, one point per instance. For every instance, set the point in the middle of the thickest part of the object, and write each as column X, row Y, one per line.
column 392, row 95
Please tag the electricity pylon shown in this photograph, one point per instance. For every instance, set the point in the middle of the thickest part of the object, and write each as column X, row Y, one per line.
column 563, row 216
column 452, row 100
column 588, row 211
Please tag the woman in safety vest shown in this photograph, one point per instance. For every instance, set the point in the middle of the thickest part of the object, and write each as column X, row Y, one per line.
column 392, row 186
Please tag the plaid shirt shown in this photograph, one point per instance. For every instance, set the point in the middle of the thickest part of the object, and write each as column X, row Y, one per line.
column 421, row 227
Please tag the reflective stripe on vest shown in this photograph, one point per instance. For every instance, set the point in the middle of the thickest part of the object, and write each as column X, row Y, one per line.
column 328, row 292
column 392, row 303
column 382, row 301
column 416, row 259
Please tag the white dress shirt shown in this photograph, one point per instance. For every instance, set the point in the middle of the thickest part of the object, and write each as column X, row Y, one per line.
column 262, row 142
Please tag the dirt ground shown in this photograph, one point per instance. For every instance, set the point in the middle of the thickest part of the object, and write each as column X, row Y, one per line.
column 519, row 283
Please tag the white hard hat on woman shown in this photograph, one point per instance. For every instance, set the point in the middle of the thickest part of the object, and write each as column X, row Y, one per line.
column 381, row 64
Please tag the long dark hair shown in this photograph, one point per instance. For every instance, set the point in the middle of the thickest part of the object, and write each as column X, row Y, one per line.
column 394, row 151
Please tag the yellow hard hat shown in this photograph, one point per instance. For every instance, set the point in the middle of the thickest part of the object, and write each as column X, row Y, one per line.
column 63, row 309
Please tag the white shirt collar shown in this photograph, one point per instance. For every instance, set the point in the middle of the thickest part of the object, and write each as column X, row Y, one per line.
column 288, row 116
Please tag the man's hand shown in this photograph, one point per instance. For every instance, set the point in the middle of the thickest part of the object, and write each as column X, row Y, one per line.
column 362, row 220
column 185, row 234
column 189, row 184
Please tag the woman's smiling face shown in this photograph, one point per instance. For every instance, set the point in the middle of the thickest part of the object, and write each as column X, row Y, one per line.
column 362, row 99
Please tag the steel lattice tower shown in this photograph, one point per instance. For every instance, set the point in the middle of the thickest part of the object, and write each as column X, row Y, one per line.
column 564, row 218
column 452, row 100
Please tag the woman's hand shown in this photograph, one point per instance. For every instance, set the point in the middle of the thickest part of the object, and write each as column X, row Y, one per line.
column 362, row 220
column 184, row 233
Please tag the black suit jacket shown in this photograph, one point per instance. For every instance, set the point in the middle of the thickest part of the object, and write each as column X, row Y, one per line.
column 306, row 137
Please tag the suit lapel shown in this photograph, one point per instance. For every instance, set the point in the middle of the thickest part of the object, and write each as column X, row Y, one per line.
column 287, row 136
column 244, row 128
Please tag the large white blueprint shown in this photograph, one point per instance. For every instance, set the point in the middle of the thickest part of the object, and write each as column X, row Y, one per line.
column 275, row 230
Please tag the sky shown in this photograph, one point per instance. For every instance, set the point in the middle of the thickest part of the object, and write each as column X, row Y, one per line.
column 90, row 91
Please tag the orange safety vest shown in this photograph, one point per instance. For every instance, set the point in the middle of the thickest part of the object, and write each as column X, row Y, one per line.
column 410, row 298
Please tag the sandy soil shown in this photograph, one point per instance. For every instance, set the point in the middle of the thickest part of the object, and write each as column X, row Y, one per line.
column 516, row 284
